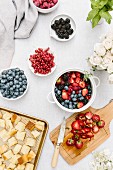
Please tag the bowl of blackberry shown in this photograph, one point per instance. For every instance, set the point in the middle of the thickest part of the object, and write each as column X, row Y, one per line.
column 74, row 91
column 13, row 83
column 62, row 28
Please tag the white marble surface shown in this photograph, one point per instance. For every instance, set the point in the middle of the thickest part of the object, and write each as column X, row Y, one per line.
column 72, row 54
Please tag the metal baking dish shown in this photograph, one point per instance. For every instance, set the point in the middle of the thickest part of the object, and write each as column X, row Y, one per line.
column 41, row 144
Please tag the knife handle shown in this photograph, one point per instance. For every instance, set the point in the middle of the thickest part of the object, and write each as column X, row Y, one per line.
column 55, row 156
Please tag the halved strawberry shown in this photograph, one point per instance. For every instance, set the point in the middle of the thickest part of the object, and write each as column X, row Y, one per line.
column 70, row 142
column 65, row 95
column 96, row 118
column 75, row 125
column 71, row 80
column 76, row 131
column 77, row 74
column 95, row 129
column 101, row 124
column 83, row 131
column 77, row 80
column 88, row 97
column 87, row 129
column 73, row 75
column 81, row 123
column 89, row 121
column 79, row 144
column 90, row 125
column 84, row 136
column 89, row 115
column 80, row 104
column 76, row 136
column 59, row 80
column 82, row 84
column 84, row 92
column 90, row 135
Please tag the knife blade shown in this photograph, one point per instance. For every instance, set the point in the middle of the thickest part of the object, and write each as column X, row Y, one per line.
column 59, row 141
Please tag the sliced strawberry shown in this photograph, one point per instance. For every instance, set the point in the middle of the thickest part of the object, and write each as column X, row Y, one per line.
column 71, row 80
column 96, row 118
column 89, row 115
column 78, row 74
column 95, row 129
column 81, row 123
column 65, row 95
column 83, row 131
column 80, row 104
column 84, row 92
column 101, row 124
column 84, row 136
column 79, row 144
column 90, row 125
column 59, row 80
column 82, row 84
column 90, row 135
column 89, row 121
column 73, row 75
column 77, row 80
column 87, row 129
column 70, row 142
column 76, row 136
column 75, row 125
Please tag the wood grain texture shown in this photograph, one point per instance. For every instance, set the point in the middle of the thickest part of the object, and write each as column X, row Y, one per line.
column 73, row 155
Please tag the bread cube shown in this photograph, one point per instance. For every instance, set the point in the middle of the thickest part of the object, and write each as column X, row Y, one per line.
column 20, row 126
column 35, row 133
column 30, row 142
column 17, row 149
column 12, row 141
column 2, row 123
column 25, row 149
column 20, row 135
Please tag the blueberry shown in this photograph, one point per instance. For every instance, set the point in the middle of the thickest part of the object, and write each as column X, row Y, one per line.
column 81, row 98
column 58, row 92
column 17, row 77
column 3, row 81
column 66, row 87
column 15, row 82
column 70, row 103
column 11, row 83
column 24, row 87
column 21, row 93
column 79, row 95
column 75, row 103
column 75, row 95
column 62, row 103
column 25, row 82
column 4, row 72
column 21, row 89
column 17, row 69
column 11, row 88
column 73, row 92
column 4, row 76
column 74, row 106
column 23, row 77
column 70, row 107
column 16, row 90
column 14, row 96
column 17, row 86
column 66, row 101
column 66, row 105
column 74, row 99
column 72, row 96
column 20, row 79
column 80, row 91
column 21, row 72
column 14, row 86
column 16, row 93
column 10, row 78
column 11, row 92
column 20, row 83
column 90, row 91
column 9, row 72
column 2, row 91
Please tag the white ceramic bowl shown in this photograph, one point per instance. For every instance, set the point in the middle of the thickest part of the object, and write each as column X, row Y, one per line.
column 93, row 84
column 73, row 26
column 45, row 11
column 32, row 69
column 13, row 99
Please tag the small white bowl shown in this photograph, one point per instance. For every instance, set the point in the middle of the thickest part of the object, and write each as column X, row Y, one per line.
column 45, row 11
column 13, row 99
column 73, row 26
column 37, row 74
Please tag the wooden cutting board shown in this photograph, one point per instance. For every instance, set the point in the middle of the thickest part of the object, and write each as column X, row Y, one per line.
column 70, row 153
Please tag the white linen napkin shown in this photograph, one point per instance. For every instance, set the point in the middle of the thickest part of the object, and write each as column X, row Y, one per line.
column 17, row 19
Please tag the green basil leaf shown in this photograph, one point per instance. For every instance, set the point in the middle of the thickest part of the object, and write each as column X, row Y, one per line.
column 106, row 15
column 92, row 14
column 95, row 20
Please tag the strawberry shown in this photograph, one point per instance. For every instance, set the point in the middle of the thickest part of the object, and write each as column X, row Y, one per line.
column 89, row 115
column 82, row 84
column 71, row 80
column 77, row 80
column 83, row 131
column 96, row 118
column 59, row 80
column 73, row 75
column 76, row 88
column 75, row 85
column 75, row 125
column 81, row 116
column 88, row 97
column 87, row 129
column 80, row 104
column 76, row 131
column 95, row 129
column 76, row 136
column 89, row 121
column 81, row 123
column 70, row 142
column 90, row 135
column 65, row 95
column 79, row 144
column 101, row 124
column 90, row 125
column 84, row 136
column 84, row 92
column 77, row 74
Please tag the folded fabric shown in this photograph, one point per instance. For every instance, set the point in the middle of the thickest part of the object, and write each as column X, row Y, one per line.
column 17, row 20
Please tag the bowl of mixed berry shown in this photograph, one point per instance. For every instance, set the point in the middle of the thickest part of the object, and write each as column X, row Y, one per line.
column 74, row 91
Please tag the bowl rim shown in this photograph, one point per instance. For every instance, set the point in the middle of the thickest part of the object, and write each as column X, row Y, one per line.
column 13, row 99
column 85, row 106
column 58, row 39
column 32, row 69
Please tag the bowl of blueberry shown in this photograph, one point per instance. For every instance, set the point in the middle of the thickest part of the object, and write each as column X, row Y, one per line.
column 13, row 83
column 74, row 90
column 62, row 28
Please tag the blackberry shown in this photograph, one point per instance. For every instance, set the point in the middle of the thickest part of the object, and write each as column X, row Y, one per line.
column 60, row 87
column 67, row 20
column 65, row 77
column 66, row 83
column 85, row 101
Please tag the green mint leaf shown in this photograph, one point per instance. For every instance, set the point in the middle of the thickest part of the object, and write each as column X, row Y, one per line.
column 102, row 3
column 95, row 3
column 106, row 15
column 92, row 14
column 96, row 20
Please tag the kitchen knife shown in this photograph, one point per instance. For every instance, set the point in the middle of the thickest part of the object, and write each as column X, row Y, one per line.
column 59, row 141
